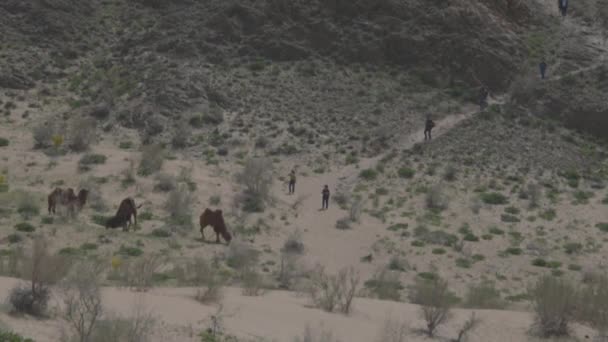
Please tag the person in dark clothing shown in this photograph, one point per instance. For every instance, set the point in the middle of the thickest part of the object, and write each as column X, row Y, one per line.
column 543, row 68
column 483, row 97
column 563, row 7
column 292, row 181
column 325, row 193
column 428, row 126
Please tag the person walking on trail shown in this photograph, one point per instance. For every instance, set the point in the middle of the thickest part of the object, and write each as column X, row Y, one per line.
column 543, row 68
column 292, row 182
column 428, row 127
column 483, row 97
column 563, row 7
column 325, row 202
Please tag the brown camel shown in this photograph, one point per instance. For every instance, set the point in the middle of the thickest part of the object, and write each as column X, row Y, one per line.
column 68, row 199
column 126, row 209
column 215, row 219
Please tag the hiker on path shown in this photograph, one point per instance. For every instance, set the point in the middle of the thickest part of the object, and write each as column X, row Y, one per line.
column 428, row 126
column 292, row 182
column 483, row 97
column 543, row 68
column 325, row 193
column 563, row 7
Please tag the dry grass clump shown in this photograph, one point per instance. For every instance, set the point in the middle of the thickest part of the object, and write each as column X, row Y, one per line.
column 554, row 303
column 256, row 179
column 334, row 292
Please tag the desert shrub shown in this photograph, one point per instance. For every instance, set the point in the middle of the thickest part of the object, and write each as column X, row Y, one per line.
column 603, row 226
column 91, row 158
column 483, row 296
column 548, row 214
column 398, row 264
column 494, row 198
column 514, row 251
column 334, row 292
column 343, row 223
column 43, row 135
column 241, row 256
column 81, row 294
column 215, row 200
column 160, row 233
column 467, row 327
column 368, row 174
column 135, row 328
column 152, row 158
column 25, row 227
column 3, row 142
column 181, row 135
column 293, row 244
column 256, row 178
column 554, row 306
column 354, row 212
column 314, row 335
column 573, row 247
column 289, row 269
column 141, row 271
column 42, row 270
column 209, row 280
column 385, row 285
column 450, row 173
column 509, row 218
column 179, row 206
column 436, row 199
column 252, row 282
column 81, row 133
column 130, row 251
column 27, row 205
column 393, row 331
column 95, row 198
column 435, row 300
column 8, row 336
column 213, row 116
column 406, row 172
column 592, row 306
column 165, row 182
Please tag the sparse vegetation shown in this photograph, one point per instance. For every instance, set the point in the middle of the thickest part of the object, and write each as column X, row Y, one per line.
column 435, row 301
column 333, row 292
column 152, row 158
column 494, row 198
column 256, row 178
column 554, row 306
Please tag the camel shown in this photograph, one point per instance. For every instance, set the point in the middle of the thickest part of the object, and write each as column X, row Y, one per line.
column 126, row 209
column 215, row 219
column 68, row 199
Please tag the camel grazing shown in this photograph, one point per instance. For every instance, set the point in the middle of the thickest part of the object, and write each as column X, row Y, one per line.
column 126, row 209
column 215, row 219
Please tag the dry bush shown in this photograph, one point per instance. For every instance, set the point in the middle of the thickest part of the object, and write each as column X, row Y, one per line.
column 241, row 256
column 81, row 133
column 467, row 327
column 181, row 136
column 334, row 292
column 289, row 269
column 592, row 306
column 152, row 158
column 253, row 282
column 207, row 277
column 141, row 271
column 436, row 199
column 354, row 212
column 293, row 244
column 316, row 335
column 256, row 178
column 554, row 306
column 136, row 328
column 435, row 301
column 484, row 296
column 43, row 134
column 179, row 206
column 81, row 294
column 42, row 270
column 165, row 182
column 385, row 285
column 393, row 331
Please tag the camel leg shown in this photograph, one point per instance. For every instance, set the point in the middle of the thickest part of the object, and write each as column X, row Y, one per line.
column 203, row 233
column 217, row 240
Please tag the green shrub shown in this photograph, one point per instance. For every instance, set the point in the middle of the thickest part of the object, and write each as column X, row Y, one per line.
column 100, row 219
column 428, row 275
column 7, row 336
column 471, row 237
column 603, row 226
column 418, row 243
column 130, row 251
column 554, row 306
column 145, row 216
column 512, row 210
column 438, row 251
column 573, row 247
column 152, row 159
column 91, row 158
column 548, row 214
column 463, row 263
column 406, row 172
column 514, row 251
column 483, row 296
column 494, row 198
column 14, row 238
column 47, row 220
column 87, row 246
column 496, row 231
column 25, row 227
column 3, row 142
column 509, row 218
column 125, row 145
column 70, row 251
column 397, row 227
column 368, row 174
column 572, row 177
column 385, row 285
column 160, row 233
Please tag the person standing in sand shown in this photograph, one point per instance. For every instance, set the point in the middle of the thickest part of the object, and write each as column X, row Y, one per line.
column 292, row 181
column 325, row 194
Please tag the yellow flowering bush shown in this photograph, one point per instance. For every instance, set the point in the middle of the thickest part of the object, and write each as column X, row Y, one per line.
column 57, row 140
column 116, row 263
